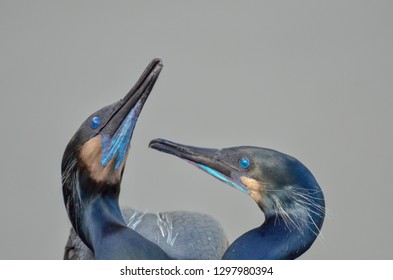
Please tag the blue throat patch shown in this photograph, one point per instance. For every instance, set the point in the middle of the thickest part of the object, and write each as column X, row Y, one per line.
column 118, row 145
column 223, row 178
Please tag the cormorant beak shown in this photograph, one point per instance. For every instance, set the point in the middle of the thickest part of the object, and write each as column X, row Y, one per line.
column 209, row 160
column 117, row 131
column 134, row 99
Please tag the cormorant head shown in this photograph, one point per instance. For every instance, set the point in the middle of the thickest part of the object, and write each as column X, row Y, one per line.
column 97, row 152
column 280, row 184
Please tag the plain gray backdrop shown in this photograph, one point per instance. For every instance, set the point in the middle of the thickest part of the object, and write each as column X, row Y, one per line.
column 312, row 79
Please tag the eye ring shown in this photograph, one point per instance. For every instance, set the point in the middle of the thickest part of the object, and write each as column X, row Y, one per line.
column 95, row 122
column 244, row 162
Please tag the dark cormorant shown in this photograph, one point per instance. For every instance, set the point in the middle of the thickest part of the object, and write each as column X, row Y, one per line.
column 284, row 189
column 92, row 168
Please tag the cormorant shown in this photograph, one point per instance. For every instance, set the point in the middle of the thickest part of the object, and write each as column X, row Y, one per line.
column 284, row 189
column 92, row 169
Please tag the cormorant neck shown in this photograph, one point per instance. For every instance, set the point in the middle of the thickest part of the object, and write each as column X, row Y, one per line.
column 95, row 214
column 277, row 238
column 101, row 215
column 97, row 210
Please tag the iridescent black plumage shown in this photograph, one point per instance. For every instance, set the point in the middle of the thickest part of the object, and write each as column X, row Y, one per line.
column 92, row 169
column 284, row 189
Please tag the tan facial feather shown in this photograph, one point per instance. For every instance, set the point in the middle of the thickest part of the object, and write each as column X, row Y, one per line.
column 254, row 187
column 90, row 156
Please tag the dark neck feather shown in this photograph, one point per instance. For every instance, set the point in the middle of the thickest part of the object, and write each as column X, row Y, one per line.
column 96, row 217
column 286, row 233
column 109, row 235
column 274, row 240
column 90, row 206
column 100, row 214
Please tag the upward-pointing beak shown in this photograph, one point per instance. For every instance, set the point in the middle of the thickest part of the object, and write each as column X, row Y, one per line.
column 136, row 96
column 117, row 132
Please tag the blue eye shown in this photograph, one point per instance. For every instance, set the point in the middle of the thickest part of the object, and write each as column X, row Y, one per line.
column 244, row 162
column 95, row 122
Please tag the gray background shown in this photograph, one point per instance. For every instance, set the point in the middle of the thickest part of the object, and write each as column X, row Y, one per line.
column 312, row 79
